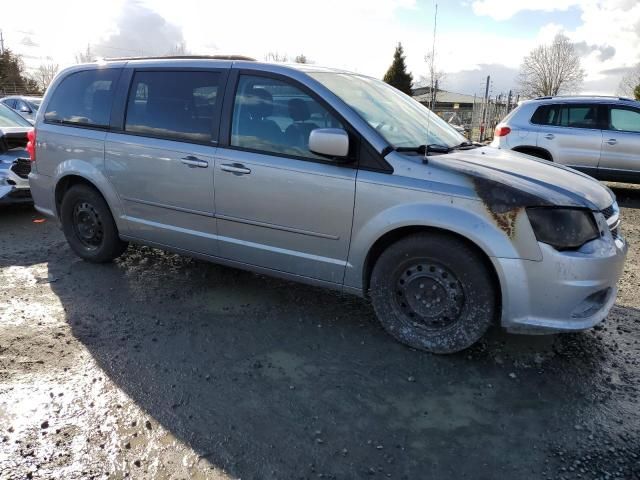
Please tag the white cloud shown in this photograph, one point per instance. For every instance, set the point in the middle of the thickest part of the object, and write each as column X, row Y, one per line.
column 505, row 9
column 613, row 26
column 357, row 35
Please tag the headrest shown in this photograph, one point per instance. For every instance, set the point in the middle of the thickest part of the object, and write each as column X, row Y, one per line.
column 260, row 104
column 299, row 110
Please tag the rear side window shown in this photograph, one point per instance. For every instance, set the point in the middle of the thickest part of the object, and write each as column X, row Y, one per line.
column 545, row 115
column 625, row 120
column 567, row 115
column 173, row 105
column 83, row 99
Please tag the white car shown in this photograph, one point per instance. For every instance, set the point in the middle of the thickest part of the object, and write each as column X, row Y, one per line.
column 15, row 165
column 599, row 136
column 27, row 107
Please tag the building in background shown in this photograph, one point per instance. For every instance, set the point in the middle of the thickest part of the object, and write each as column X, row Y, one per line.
column 472, row 115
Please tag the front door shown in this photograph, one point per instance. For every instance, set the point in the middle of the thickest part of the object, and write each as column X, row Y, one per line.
column 278, row 205
column 162, row 163
column 621, row 142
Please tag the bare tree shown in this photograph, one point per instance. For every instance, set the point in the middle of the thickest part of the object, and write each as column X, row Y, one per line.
column 86, row 56
column 45, row 74
column 302, row 58
column 276, row 57
column 630, row 83
column 179, row 49
column 551, row 69
column 433, row 78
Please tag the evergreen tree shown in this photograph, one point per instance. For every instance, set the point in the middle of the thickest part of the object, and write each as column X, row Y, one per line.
column 397, row 74
column 13, row 78
column 636, row 92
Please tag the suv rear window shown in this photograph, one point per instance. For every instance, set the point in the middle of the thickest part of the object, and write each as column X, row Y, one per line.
column 83, row 99
column 173, row 105
column 567, row 115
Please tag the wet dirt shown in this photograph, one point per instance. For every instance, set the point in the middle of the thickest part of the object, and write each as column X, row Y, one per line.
column 161, row 366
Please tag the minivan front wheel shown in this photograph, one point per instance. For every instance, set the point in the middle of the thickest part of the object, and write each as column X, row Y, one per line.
column 433, row 292
column 88, row 225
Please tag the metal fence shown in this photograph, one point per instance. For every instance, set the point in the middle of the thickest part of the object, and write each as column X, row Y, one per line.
column 479, row 119
column 14, row 89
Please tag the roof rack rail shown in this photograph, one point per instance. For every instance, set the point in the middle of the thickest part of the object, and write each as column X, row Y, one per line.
column 189, row 57
column 549, row 97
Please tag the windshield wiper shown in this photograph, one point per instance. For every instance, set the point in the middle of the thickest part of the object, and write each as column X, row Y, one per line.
column 467, row 145
column 425, row 149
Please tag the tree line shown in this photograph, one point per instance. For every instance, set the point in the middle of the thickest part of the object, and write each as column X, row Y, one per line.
column 548, row 70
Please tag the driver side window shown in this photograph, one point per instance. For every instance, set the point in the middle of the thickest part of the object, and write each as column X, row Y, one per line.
column 273, row 116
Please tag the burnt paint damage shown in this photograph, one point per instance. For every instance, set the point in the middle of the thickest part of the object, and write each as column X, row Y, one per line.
column 504, row 203
column 525, row 179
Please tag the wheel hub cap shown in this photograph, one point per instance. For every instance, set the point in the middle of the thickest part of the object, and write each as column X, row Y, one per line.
column 430, row 295
column 87, row 224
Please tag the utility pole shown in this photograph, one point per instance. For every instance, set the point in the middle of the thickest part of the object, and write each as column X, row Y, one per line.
column 485, row 109
column 434, row 84
column 1, row 43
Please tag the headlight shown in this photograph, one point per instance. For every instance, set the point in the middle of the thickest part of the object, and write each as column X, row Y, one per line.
column 563, row 228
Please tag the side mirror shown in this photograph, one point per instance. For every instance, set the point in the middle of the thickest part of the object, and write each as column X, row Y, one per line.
column 329, row 142
column 25, row 109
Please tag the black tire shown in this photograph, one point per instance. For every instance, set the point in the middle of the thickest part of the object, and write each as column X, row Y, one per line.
column 88, row 225
column 433, row 292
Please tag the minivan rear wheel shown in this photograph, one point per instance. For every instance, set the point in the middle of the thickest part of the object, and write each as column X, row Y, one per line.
column 88, row 225
column 433, row 292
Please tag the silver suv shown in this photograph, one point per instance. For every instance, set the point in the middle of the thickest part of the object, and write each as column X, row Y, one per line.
column 329, row 178
column 596, row 135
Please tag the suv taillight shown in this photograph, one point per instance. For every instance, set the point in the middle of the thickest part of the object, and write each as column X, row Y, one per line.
column 31, row 144
column 502, row 131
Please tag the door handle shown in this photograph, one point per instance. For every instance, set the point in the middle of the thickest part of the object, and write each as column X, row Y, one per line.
column 549, row 136
column 236, row 168
column 612, row 141
column 193, row 162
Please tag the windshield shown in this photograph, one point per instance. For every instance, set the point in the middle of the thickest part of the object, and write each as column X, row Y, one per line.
column 401, row 120
column 9, row 118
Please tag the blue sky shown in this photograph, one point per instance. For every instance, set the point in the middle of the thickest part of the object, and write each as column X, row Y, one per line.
column 475, row 38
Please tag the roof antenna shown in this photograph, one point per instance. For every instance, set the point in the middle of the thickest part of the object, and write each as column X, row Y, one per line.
column 431, row 80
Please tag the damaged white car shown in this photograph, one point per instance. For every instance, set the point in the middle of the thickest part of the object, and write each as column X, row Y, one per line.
column 14, row 158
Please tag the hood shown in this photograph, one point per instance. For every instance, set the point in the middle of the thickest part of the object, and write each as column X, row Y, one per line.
column 542, row 183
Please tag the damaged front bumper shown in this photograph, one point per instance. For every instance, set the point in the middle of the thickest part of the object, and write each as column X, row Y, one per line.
column 14, row 181
column 566, row 290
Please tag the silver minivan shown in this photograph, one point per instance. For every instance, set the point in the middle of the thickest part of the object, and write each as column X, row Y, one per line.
column 330, row 178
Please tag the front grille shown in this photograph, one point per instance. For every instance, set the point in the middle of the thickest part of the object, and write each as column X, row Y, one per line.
column 21, row 167
column 611, row 215
column 608, row 212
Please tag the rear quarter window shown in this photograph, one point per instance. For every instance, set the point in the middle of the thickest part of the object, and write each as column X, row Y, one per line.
column 83, row 99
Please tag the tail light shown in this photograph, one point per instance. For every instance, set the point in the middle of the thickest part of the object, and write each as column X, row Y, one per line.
column 31, row 144
column 502, row 131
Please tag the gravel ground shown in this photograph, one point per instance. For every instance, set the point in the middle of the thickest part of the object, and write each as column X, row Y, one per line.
column 161, row 366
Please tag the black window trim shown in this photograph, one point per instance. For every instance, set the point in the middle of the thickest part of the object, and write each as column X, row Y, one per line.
column 66, row 123
column 119, row 113
column 609, row 106
column 355, row 138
